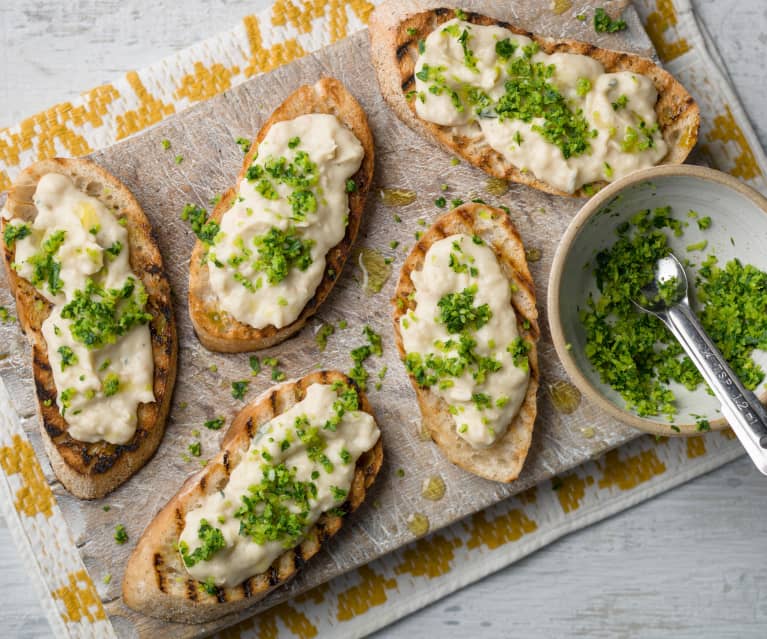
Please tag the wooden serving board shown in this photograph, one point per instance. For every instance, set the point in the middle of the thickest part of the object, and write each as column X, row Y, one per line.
column 205, row 137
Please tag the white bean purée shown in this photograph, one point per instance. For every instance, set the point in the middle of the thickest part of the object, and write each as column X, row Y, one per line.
column 76, row 254
column 291, row 209
column 559, row 117
column 462, row 340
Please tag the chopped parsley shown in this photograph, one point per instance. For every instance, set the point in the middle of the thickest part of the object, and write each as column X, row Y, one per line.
column 362, row 353
column 638, row 140
column 338, row 493
column 212, row 541
column 255, row 365
column 195, row 449
column 519, row 349
column 244, row 144
column 15, row 232
column 276, row 509
column 110, row 385
column 68, row 357
column 99, row 316
column 603, row 23
column 529, row 96
column 505, row 49
column 279, row 251
column 620, row 102
column 208, row 586
column 239, row 389
column 203, row 227
column 351, row 186
column 325, row 331
column 301, row 174
column 46, row 270
column 121, row 535
column 115, row 249
column 214, row 424
column 458, row 313
column 583, row 86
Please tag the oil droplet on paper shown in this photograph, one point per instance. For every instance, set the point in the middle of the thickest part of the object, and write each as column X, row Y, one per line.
column 565, row 396
column 396, row 197
column 375, row 270
column 497, row 186
column 560, row 6
column 418, row 524
column 533, row 254
column 433, row 488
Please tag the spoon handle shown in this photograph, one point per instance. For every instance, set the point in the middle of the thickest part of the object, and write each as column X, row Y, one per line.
column 740, row 406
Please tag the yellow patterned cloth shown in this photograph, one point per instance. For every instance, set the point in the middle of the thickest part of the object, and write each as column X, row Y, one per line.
column 432, row 567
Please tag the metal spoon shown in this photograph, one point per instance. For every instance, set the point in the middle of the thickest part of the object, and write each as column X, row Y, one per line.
column 666, row 298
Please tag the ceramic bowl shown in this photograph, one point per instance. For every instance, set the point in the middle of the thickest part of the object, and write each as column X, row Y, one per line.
column 738, row 229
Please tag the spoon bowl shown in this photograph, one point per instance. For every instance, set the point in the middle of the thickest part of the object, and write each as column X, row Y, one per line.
column 668, row 287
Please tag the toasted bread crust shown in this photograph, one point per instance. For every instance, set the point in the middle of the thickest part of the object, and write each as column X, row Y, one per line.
column 503, row 460
column 91, row 470
column 151, row 586
column 394, row 53
column 217, row 330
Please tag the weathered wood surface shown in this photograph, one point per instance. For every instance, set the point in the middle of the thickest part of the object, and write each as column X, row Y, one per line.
column 622, row 590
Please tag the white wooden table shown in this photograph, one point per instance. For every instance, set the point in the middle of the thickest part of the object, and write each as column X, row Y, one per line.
column 690, row 563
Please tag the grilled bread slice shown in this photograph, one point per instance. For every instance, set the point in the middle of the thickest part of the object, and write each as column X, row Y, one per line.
column 503, row 460
column 217, row 330
column 397, row 26
column 156, row 582
column 91, row 470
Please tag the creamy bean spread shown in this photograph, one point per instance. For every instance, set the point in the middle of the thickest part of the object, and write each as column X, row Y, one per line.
column 298, row 466
column 292, row 207
column 462, row 340
column 560, row 117
column 76, row 254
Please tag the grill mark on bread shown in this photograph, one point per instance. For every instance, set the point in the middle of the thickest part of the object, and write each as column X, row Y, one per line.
column 272, row 576
column 246, row 588
column 178, row 518
column 322, row 534
column 192, row 589
column 41, row 362
column 159, row 565
column 298, row 556
column 249, row 428
column 225, row 461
